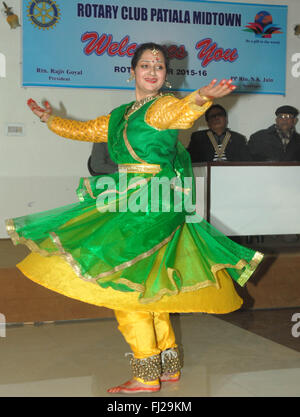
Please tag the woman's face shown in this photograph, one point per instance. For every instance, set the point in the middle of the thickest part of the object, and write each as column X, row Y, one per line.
column 150, row 74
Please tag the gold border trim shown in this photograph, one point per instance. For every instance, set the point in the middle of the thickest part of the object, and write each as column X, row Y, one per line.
column 140, row 257
column 139, row 168
column 16, row 239
column 138, row 287
column 140, row 182
column 140, row 103
column 255, row 261
column 252, row 265
column 166, row 291
column 130, row 149
column 87, row 184
column 68, row 257
column 239, row 265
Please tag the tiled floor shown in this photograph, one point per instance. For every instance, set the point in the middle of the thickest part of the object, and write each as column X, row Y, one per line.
column 279, row 325
column 232, row 356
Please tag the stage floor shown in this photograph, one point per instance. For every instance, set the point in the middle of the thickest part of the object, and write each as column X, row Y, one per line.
column 239, row 355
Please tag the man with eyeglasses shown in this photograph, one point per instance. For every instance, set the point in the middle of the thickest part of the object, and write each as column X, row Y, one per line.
column 218, row 143
column 280, row 142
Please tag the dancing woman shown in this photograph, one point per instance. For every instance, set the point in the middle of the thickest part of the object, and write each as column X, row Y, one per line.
column 143, row 264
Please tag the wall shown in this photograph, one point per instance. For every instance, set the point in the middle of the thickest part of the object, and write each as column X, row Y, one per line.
column 39, row 171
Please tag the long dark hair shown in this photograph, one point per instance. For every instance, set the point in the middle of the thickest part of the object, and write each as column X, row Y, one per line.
column 149, row 45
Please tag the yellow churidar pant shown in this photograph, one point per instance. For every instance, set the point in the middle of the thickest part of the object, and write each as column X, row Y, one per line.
column 146, row 333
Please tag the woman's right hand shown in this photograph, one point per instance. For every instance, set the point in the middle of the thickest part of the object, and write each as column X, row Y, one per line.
column 42, row 113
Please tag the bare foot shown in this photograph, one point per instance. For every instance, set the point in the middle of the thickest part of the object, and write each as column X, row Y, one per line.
column 134, row 386
column 170, row 377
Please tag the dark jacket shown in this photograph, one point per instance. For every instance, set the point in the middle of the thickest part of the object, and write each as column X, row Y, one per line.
column 266, row 145
column 99, row 162
column 202, row 150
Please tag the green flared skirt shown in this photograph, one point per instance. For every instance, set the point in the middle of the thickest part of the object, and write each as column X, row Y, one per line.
column 114, row 250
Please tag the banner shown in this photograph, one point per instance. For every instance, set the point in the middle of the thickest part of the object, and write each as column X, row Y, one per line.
column 89, row 44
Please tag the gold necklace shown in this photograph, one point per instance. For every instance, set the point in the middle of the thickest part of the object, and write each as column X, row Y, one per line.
column 139, row 103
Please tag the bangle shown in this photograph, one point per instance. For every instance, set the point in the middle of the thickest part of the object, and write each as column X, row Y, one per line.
column 206, row 98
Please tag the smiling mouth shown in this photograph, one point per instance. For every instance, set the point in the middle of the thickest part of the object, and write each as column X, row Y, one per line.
column 151, row 80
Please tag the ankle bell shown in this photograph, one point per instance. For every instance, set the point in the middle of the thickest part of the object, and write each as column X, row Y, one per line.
column 148, row 369
column 170, row 361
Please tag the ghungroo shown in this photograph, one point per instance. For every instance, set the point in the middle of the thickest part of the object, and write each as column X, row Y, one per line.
column 148, row 368
column 170, row 361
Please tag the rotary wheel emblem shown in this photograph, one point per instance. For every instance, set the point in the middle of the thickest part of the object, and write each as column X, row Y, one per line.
column 43, row 14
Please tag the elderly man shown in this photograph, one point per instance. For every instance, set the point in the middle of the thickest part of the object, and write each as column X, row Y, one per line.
column 218, row 143
column 280, row 142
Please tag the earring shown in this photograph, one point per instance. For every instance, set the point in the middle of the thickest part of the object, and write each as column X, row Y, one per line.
column 130, row 78
column 167, row 84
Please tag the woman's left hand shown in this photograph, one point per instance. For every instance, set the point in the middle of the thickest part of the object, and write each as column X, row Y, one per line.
column 214, row 90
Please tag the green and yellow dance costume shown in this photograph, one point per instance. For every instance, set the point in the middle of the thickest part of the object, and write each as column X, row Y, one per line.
column 144, row 264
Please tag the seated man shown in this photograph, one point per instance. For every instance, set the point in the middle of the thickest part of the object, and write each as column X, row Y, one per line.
column 99, row 162
column 218, row 143
column 280, row 142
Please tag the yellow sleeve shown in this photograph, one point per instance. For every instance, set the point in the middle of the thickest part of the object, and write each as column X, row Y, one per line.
column 91, row 131
column 169, row 112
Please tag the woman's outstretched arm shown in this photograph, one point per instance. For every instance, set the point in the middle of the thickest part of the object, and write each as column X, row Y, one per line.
column 89, row 131
column 170, row 112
